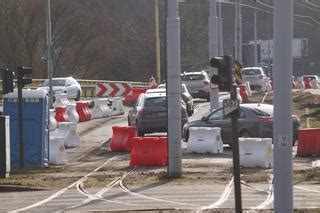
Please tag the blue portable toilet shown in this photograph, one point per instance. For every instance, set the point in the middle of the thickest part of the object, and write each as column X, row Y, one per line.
column 35, row 124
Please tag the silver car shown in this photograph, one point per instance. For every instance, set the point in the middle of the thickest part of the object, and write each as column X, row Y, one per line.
column 255, row 120
column 149, row 115
column 198, row 84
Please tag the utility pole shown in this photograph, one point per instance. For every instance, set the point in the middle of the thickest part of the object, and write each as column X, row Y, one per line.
column 49, row 51
column 238, row 31
column 156, row 20
column 173, row 90
column 282, row 123
column 213, row 30
column 255, row 38
column 220, row 29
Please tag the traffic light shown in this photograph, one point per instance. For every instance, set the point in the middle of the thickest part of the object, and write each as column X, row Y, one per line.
column 24, row 76
column 224, row 78
column 7, row 81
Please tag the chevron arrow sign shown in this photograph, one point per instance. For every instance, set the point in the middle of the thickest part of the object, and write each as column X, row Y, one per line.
column 114, row 89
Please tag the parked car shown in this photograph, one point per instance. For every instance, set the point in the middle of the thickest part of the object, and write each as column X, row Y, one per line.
column 66, row 85
column 198, row 84
column 150, row 114
column 185, row 95
column 255, row 76
column 255, row 120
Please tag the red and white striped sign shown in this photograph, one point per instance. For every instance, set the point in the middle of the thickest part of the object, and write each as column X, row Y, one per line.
column 114, row 89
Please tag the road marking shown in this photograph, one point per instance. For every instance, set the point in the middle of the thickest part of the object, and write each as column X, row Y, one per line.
column 269, row 198
column 61, row 191
column 305, row 189
column 125, row 189
column 222, row 199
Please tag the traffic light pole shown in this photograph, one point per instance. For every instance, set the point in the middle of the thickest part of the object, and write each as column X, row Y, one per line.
column 20, row 123
column 235, row 154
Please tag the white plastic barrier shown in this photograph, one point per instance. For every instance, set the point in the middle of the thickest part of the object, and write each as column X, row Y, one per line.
column 248, row 88
column 72, row 113
column 61, row 99
column 205, row 140
column 314, row 84
column 68, row 131
column 117, row 106
column 256, row 152
column 266, row 86
column 300, row 83
column 100, row 108
column 57, row 152
column 53, row 121
column 239, row 97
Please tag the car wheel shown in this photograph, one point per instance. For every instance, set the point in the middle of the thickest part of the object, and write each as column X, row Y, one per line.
column 129, row 123
column 78, row 96
column 245, row 133
column 208, row 99
column 187, row 136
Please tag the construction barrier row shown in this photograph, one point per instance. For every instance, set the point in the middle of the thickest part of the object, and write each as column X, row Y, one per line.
column 309, row 142
column 117, row 106
column 256, row 152
column 83, row 111
column 100, row 108
column 205, row 140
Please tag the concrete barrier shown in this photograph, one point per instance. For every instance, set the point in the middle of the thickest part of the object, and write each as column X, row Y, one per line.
column 205, row 140
column 53, row 122
column 68, row 131
column 256, row 152
column 117, row 106
column 57, row 152
column 100, row 108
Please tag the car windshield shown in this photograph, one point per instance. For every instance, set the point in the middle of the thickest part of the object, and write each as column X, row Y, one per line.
column 156, row 102
column 55, row 82
column 266, row 111
column 192, row 77
column 251, row 72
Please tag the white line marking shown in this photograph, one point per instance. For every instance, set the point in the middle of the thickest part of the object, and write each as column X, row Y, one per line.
column 269, row 198
column 305, row 189
column 61, row 191
column 223, row 197
column 125, row 189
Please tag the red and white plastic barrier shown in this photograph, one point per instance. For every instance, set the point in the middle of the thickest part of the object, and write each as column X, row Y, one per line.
column 307, row 84
column 61, row 114
column 83, row 111
column 300, row 83
column 243, row 93
column 256, row 152
column 309, row 142
column 53, row 122
column 249, row 92
column 117, row 106
column 61, row 99
column 100, row 108
column 121, row 136
column 72, row 113
column 57, row 152
column 314, row 84
column 68, row 131
column 205, row 140
column 149, row 151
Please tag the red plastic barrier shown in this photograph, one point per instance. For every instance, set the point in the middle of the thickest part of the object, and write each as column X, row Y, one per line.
column 243, row 93
column 309, row 142
column 132, row 99
column 149, row 151
column 83, row 111
column 61, row 114
column 307, row 84
column 121, row 136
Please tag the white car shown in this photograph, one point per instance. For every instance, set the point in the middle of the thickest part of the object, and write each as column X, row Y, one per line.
column 255, row 76
column 66, row 85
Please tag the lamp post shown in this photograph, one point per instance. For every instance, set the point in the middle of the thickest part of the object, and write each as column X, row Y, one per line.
column 156, row 20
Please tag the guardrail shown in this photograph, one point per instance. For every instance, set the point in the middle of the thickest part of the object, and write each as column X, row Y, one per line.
column 88, row 86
